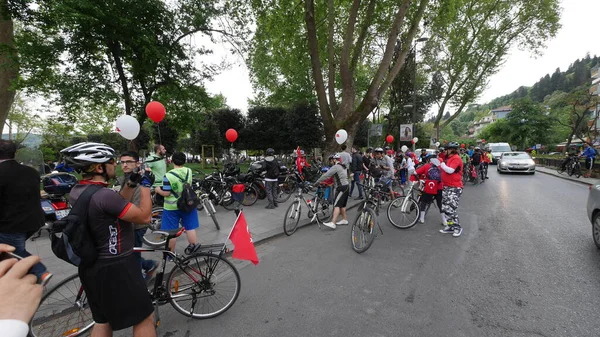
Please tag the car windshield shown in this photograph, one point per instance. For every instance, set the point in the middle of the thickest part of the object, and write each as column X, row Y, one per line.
column 514, row 155
column 500, row 148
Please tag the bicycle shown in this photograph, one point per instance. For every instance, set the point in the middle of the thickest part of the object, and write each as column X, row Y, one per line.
column 319, row 209
column 203, row 276
column 401, row 210
column 363, row 233
column 574, row 168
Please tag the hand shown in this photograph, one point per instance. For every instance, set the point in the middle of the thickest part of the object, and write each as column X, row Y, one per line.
column 19, row 293
column 147, row 179
column 135, row 176
column 434, row 161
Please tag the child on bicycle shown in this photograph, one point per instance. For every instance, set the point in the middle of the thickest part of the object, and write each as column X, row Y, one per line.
column 340, row 174
column 432, row 188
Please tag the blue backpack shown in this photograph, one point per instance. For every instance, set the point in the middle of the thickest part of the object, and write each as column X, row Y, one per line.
column 434, row 173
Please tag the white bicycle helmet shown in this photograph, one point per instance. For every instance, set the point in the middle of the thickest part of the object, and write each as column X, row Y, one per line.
column 84, row 154
column 337, row 156
column 378, row 150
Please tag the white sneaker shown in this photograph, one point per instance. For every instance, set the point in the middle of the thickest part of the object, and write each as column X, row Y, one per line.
column 421, row 220
column 342, row 222
column 329, row 224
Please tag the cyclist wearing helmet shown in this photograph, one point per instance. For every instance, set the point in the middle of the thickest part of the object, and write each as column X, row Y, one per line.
column 452, row 169
column 115, row 288
column 423, row 155
column 301, row 160
column 339, row 172
column 386, row 164
column 272, row 165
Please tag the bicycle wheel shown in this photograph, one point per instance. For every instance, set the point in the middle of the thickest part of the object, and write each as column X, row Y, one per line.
column 577, row 170
column 397, row 189
column 292, row 217
column 203, row 285
column 363, row 230
column 560, row 170
column 250, row 195
column 63, row 311
column 323, row 209
column 284, row 192
column 403, row 216
column 210, row 207
column 227, row 201
column 150, row 238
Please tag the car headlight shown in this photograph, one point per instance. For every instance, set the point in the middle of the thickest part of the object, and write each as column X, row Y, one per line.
column 531, row 163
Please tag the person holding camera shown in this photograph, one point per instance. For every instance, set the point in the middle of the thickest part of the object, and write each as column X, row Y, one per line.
column 130, row 163
column 115, row 289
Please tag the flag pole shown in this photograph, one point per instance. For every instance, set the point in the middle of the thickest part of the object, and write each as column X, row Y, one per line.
column 235, row 223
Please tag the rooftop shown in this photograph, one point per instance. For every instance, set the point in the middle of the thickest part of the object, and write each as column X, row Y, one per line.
column 503, row 108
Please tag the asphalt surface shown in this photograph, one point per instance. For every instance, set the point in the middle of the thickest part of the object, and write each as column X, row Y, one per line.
column 525, row 265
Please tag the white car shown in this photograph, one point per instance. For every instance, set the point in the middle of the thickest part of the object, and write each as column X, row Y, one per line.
column 515, row 162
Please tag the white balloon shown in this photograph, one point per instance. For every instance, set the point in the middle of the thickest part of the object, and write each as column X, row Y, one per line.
column 128, row 127
column 404, row 148
column 415, row 139
column 340, row 136
column 437, row 144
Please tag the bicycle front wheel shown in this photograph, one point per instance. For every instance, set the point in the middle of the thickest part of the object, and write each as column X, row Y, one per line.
column 577, row 171
column 250, row 195
column 203, row 286
column 284, row 192
column 403, row 215
column 150, row 238
column 292, row 217
column 363, row 230
column 210, row 208
column 63, row 311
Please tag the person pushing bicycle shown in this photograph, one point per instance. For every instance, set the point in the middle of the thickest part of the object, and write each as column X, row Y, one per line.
column 339, row 172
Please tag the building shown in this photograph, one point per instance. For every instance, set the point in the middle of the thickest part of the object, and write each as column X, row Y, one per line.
column 502, row 111
column 481, row 124
column 595, row 90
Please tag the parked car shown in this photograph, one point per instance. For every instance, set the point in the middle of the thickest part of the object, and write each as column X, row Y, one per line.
column 517, row 161
column 593, row 211
column 497, row 150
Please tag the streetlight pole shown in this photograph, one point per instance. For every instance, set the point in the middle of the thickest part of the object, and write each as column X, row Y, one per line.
column 414, row 95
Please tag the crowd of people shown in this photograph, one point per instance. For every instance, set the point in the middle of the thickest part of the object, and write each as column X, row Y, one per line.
column 116, row 283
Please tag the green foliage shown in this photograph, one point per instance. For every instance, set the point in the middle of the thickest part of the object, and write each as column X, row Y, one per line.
column 303, row 127
column 471, row 42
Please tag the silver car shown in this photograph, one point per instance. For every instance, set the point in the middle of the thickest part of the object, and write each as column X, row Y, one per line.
column 511, row 162
column 593, row 211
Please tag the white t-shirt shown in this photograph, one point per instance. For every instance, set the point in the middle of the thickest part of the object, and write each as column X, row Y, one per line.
column 13, row 328
column 410, row 164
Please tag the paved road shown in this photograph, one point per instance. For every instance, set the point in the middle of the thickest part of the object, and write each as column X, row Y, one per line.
column 524, row 266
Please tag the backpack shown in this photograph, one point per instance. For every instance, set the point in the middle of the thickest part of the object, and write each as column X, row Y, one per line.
column 476, row 157
column 434, row 173
column 75, row 244
column 188, row 200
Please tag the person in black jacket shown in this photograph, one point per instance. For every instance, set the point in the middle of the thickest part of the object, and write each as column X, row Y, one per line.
column 356, row 169
column 21, row 212
column 272, row 166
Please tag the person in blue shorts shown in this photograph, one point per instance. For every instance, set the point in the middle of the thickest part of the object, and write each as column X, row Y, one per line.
column 171, row 188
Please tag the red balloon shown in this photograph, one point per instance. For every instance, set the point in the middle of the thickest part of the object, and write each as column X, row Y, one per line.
column 231, row 135
column 462, row 145
column 389, row 139
column 412, row 141
column 155, row 111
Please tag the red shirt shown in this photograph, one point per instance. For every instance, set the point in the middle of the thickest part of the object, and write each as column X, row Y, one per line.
column 442, row 156
column 422, row 172
column 453, row 179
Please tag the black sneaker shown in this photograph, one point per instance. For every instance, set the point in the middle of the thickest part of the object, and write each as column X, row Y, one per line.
column 191, row 248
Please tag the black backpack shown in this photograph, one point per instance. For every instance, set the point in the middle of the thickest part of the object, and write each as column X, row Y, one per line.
column 76, row 244
column 188, row 200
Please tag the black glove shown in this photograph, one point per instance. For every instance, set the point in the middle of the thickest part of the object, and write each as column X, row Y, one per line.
column 148, row 179
column 135, row 177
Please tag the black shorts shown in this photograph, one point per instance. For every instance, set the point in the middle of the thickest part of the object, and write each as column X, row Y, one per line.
column 117, row 292
column 341, row 196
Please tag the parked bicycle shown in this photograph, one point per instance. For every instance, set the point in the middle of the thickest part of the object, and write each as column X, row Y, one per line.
column 363, row 229
column 403, row 212
column 319, row 209
column 202, row 285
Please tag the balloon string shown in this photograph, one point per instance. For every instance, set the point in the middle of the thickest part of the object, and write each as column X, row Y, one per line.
column 158, row 128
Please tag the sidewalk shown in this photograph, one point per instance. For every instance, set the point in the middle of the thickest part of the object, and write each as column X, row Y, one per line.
column 262, row 223
column 553, row 172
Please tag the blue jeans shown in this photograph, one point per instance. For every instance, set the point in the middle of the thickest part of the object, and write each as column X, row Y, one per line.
column 145, row 264
column 17, row 240
column 356, row 181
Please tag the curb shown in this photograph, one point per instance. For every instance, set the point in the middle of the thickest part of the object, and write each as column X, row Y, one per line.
column 565, row 177
column 278, row 232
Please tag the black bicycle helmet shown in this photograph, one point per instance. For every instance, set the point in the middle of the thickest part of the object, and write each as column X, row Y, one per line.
column 453, row 145
column 82, row 155
column 270, row 152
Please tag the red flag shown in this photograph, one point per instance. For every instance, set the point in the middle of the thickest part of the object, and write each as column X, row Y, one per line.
column 242, row 241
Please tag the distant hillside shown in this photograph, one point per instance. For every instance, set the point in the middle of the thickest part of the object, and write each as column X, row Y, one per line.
column 32, row 140
column 575, row 76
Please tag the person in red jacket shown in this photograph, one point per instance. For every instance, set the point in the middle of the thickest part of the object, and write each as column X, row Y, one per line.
column 433, row 185
column 452, row 168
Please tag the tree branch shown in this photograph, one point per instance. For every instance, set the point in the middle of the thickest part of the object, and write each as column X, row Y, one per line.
column 313, row 47
column 331, row 51
column 358, row 49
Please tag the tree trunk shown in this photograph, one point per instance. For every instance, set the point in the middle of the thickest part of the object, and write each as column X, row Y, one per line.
column 8, row 66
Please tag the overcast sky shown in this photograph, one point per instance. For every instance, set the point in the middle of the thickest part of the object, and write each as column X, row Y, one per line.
column 578, row 36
